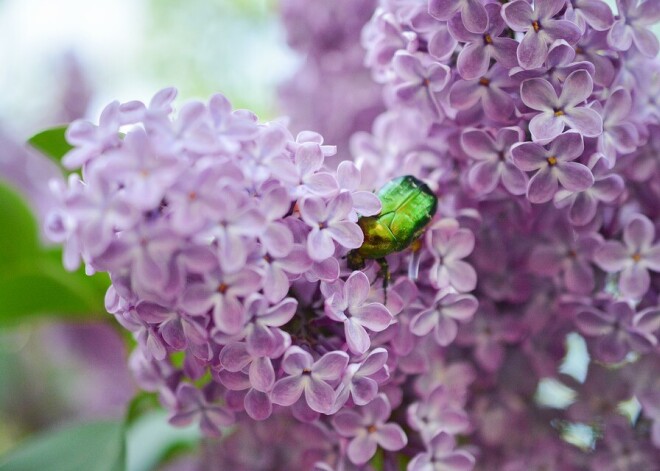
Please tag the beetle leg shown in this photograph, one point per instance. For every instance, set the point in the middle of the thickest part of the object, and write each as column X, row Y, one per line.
column 384, row 272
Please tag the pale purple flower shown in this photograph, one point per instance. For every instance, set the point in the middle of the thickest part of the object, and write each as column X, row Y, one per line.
column 540, row 27
column 493, row 160
column 366, row 203
column 490, row 90
column 442, row 456
column 472, row 12
column 632, row 26
column 369, row 429
column 558, row 112
column 329, row 224
column 361, row 379
column 561, row 63
column 474, row 59
column 279, row 271
column 553, row 166
column 193, row 406
column 583, row 205
column 347, row 302
column 619, row 329
column 633, row 258
column 450, row 244
column 176, row 328
column 305, row 171
column 441, row 410
column 262, row 333
column 304, row 375
column 419, row 81
column 443, row 317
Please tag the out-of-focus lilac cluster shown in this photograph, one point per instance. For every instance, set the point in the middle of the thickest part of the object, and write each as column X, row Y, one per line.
column 537, row 125
column 332, row 91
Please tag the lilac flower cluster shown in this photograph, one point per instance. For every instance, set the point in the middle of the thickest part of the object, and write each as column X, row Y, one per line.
column 536, row 123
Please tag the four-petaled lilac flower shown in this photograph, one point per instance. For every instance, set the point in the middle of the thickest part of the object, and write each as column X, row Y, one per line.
column 192, row 405
column 493, row 160
column 620, row 136
column 474, row 59
column 361, row 379
column 443, row 317
column 368, row 430
column 309, row 377
column 418, row 79
column 349, row 177
column 594, row 13
column 473, row 13
column 631, row 27
column 541, row 30
column 490, row 90
column 442, row 456
column 557, row 112
column 329, row 223
column 619, row 330
column 553, row 166
column 262, row 334
column 582, row 205
column 347, row 302
column 450, row 244
column 634, row 258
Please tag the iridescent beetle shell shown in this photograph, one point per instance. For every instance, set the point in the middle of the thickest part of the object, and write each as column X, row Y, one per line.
column 408, row 205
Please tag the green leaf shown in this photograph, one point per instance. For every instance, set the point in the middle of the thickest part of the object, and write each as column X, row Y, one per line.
column 94, row 446
column 51, row 142
column 32, row 280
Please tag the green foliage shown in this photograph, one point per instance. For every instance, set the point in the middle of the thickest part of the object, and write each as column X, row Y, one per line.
column 51, row 142
column 32, row 279
column 94, row 446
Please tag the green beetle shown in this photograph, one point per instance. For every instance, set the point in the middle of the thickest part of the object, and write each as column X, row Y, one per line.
column 408, row 205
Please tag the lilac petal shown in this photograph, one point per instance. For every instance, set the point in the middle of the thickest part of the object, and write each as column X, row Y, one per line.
column 276, row 284
column 330, row 366
column 567, row 146
column 610, row 349
column 234, row 357
column 597, row 13
column 348, row 175
column 374, row 316
column 646, row 41
column 464, row 94
column 639, row 233
column 257, row 405
column 297, row 261
column 574, row 176
column 532, row 50
column 473, row 61
column 518, row 15
column 462, row 276
column 319, row 396
column 197, row 299
column 424, row 322
column 458, row 461
column 634, row 281
column 280, row 314
column 505, row 52
column 460, row 245
column 460, row 307
column 172, row 333
column 483, row 177
column 347, row 423
column 652, row 258
column 374, row 362
column 229, row 315
column 364, row 390
column 356, row 337
column 583, row 210
column 277, row 239
column 563, row 29
column 475, row 18
column 320, row 245
column 296, row 360
column 262, row 374
column 391, row 437
column 361, row 449
column 618, row 106
column 347, row 234
column 546, row 260
column 478, row 144
column 579, row 277
column 538, row 94
column 152, row 313
column 287, row 390
column 611, row 257
column 514, row 180
column 620, row 36
column 577, row 88
column 591, row 322
column 442, row 44
column 308, row 158
column 529, row 156
column 542, row 186
column 321, row 183
column 356, row 289
column 445, row 331
column 366, row 203
column 546, row 126
column 443, row 10
column 498, row 105
column 313, row 211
